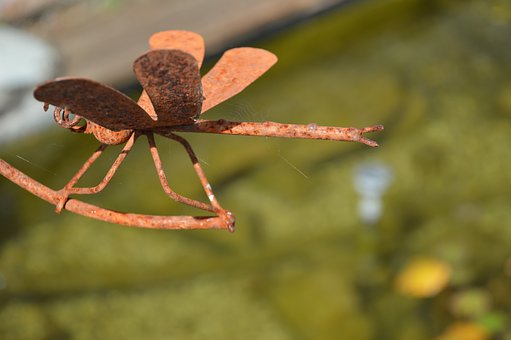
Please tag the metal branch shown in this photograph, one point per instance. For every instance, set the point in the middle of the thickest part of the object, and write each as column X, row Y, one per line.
column 92, row 211
column 272, row 129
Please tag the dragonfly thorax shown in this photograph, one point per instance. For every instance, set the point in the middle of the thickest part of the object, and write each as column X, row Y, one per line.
column 107, row 136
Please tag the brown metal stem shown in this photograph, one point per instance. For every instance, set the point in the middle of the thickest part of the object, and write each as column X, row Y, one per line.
column 272, row 129
column 92, row 211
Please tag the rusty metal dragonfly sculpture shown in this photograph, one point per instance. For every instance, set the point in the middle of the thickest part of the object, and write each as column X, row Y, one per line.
column 174, row 98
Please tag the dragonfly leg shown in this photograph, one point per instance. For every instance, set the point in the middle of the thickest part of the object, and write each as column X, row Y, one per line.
column 213, row 206
column 224, row 213
column 70, row 188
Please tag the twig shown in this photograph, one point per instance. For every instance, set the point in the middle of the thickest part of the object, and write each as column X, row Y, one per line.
column 92, row 211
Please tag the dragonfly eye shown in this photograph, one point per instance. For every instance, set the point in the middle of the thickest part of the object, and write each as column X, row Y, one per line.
column 65, row 118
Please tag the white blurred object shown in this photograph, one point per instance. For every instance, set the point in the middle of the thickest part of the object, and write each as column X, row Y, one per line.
column 371, row 180
column 25, row 61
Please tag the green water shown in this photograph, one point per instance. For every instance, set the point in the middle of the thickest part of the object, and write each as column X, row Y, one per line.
column 301, row 265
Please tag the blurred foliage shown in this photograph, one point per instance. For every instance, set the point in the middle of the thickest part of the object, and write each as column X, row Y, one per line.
column 423, row 277
column 301, row 264
column 464, row 331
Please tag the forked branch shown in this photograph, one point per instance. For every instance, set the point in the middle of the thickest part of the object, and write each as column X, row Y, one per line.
column 92, row 211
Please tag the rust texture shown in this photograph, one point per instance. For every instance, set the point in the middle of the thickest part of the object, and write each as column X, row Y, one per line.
column 92, row 211
column 93, row 101
column 186, row 41
column 174, row 96
column 172, row 80
column 272, row 129
column 236, row 69
column 189, row 42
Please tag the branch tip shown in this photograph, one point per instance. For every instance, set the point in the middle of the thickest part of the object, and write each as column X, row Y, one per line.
column 374, row 128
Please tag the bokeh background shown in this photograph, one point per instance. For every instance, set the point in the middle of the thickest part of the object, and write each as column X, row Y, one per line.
column 411, row 240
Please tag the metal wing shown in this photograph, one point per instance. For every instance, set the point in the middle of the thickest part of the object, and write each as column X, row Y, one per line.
column 171, row 78
column 235, row 70
column 186, row 41
column 96, row 102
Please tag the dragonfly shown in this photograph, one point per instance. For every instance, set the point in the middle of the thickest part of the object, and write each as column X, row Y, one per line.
column 173, row 99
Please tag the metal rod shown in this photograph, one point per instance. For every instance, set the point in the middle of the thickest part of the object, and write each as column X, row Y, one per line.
column 272, row 129
column 92, row 211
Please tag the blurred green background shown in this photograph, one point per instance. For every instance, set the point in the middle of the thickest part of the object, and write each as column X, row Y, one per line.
column 301, row 264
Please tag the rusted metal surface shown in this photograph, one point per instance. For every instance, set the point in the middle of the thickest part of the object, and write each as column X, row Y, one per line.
column 165, row 184
column 93, row 101
column 189, row 42
column 172, row 80
column 107, row 136
column 236, row 69
column 170, row 103
column 272, row 129
column 70, row 186
column 98, row 213
column 186, row 41
column 224, row 214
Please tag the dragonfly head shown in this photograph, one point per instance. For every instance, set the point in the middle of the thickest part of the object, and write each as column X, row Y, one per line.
column 66, row 119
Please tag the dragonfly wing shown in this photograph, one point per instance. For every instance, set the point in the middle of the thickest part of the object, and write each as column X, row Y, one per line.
column 185, row 41
column 172, row 81
column 94, row 101
column 235, row 70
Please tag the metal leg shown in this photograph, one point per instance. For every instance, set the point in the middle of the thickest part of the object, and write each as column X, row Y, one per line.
column 214, row 206
column 70, row 189
column 224, row 213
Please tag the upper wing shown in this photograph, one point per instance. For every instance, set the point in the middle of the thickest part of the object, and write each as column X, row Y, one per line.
column 235, row 70
column 171, row 78
column 186, row 41
column 96, row 102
